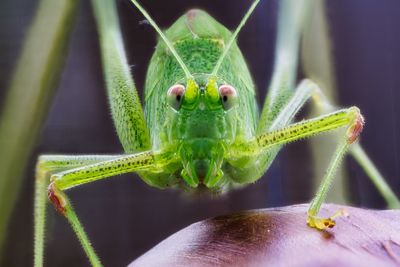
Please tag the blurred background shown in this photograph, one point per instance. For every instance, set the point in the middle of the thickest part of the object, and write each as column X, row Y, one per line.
column 123, row 216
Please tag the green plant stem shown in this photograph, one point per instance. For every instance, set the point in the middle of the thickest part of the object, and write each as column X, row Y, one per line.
column 25, row 107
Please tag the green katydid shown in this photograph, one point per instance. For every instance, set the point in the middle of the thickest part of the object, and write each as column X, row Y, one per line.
column 201, row 130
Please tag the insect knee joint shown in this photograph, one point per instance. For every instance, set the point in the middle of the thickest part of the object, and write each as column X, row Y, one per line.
column 57, row 198
column 356, row 126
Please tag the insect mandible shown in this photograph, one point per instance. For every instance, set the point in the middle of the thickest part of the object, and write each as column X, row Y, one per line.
column 205, row 132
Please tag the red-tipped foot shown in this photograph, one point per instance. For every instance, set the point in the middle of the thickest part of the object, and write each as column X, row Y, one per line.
column 56, row 198
column 354, row 131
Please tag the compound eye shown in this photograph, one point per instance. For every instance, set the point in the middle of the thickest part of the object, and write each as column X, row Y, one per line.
column 228, row 96
column 175, row 96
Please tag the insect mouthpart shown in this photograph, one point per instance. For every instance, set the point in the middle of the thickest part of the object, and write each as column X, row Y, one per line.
column 202, row 159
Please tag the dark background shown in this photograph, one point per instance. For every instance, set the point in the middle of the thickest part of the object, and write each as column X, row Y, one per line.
column 123, row 216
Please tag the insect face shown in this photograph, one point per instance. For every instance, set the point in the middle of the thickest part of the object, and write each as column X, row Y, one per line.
column 206, row 96
column 202, row 121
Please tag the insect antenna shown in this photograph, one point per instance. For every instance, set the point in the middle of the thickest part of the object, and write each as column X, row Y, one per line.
column 233, row 37
column 165, row 39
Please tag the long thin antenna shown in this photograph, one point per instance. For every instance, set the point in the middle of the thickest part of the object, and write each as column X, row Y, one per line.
column 165, row 39
column 233, row 37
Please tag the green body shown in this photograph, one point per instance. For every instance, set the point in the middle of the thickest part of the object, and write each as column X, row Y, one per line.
column 200, row 129
column 200, row 40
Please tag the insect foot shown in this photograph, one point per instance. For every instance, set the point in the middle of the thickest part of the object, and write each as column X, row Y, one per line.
column 57, row 198
column 320, row 223
column 356, row 128
column 323, row 223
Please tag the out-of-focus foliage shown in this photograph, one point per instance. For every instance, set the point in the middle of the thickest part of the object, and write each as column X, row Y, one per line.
column 27, row 101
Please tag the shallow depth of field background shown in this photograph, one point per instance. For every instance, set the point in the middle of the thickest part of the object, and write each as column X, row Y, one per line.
column 123, row 216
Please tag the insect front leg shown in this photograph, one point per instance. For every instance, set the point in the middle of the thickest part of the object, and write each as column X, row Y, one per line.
column 310, row 90
column 350, row 118
column 47, row 165
column 66, row 179
column 323, row 105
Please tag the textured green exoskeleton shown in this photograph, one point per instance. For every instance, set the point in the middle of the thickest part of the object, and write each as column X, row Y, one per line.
column 201, row 129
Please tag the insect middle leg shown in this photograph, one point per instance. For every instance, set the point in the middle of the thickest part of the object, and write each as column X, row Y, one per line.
column 85, row 169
